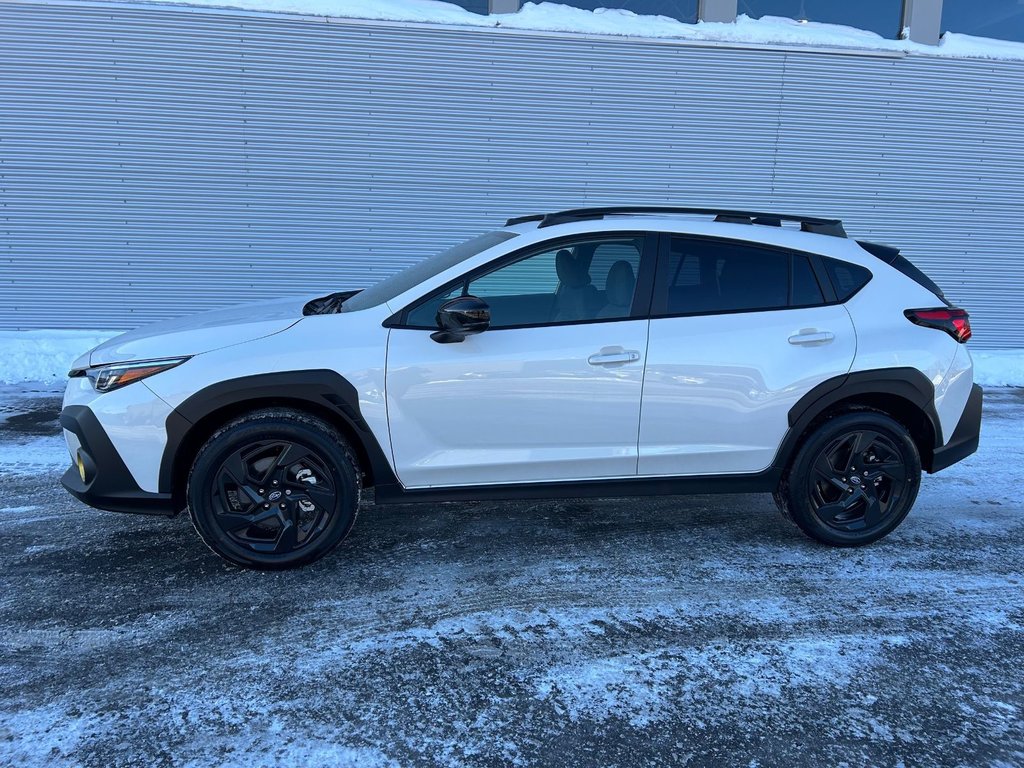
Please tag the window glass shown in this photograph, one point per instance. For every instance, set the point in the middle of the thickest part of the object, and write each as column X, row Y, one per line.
column 534, row 275
column 846, row 278
column 1002, row 19
column 879, row 16
column 684, row 10
column 806, row 291
column 706, row 277
column 474, row 6
column 410, row 277
column 586, row 280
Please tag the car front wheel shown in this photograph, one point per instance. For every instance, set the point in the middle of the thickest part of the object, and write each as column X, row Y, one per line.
column 853, row 480
column 274, row 489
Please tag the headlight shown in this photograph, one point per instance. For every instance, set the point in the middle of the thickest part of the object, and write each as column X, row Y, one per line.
column 109, row 377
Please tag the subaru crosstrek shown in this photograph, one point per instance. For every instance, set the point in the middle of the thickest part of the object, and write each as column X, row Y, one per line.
column 592, row 352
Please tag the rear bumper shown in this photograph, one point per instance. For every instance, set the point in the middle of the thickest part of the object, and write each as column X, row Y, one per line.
column 108, row 484
column 965, row 437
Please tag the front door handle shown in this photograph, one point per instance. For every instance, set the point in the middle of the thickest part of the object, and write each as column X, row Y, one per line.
column 614, row 358
column 812, row 337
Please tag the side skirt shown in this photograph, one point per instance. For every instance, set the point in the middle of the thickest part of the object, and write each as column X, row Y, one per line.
column 760, row 482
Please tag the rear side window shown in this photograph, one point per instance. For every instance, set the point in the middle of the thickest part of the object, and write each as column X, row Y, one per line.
column 806, row 291
column 846, row 278
column 707, row 277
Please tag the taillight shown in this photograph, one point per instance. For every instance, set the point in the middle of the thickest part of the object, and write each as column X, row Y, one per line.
column 956, row 322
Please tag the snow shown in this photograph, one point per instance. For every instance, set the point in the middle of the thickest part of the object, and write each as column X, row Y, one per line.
column 660, row 631
column 999, row 368
column 46, row 356
column 33, row 455
column 554, row 17
column 43, row 355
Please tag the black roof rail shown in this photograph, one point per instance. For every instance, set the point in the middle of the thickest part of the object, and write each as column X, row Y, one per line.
column 814, row 224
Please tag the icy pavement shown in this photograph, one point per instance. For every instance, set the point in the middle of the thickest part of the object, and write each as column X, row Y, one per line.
column 670, row 631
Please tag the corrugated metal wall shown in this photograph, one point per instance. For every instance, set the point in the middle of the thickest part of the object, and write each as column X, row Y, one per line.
column 156, row 161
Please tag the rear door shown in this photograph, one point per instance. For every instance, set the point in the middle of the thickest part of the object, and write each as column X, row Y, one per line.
column 551, row 391
column 738, row 334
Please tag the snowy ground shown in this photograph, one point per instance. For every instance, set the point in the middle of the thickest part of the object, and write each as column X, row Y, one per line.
column 667, row 631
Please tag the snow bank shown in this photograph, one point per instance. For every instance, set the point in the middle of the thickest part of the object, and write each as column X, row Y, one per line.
column 999, row 368
column 47, row 355
column 43, row 355
column 554, row 17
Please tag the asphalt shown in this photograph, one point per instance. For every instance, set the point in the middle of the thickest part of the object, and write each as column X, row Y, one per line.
column 667, row 631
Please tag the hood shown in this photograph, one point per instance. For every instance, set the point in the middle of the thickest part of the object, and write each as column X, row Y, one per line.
column 204, row 332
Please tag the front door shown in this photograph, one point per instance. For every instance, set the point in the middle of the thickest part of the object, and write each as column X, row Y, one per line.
column 551, row 391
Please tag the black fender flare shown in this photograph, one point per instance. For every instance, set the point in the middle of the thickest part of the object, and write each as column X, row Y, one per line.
column 322, row 391
column 909, row 384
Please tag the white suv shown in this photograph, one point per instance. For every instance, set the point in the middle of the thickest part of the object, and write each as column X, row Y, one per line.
column 593, row 352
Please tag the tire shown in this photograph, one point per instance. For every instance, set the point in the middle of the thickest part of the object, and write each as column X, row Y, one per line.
column 853, row 481
column 274, row 489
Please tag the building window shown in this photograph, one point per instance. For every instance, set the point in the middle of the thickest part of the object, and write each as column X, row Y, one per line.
column 684, row 10
column 879, row 16
column 473, row 6
column 1001, row 19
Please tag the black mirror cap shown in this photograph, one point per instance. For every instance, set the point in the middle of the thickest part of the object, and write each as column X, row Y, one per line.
column 461, row 317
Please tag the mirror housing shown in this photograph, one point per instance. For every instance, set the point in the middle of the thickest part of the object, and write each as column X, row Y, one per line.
column 461, row 317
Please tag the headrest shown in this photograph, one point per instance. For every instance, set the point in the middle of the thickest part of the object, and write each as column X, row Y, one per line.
column 620, row 284
column 572, row 272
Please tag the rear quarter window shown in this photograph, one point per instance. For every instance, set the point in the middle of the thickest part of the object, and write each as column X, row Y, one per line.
column 846, row 278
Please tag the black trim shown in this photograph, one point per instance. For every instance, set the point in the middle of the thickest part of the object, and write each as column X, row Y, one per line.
column 108, row 484
column 641, row 295
column 329, row 390
column 326, row 391
column 908, row 383
column 760, row 482
column 965, row 437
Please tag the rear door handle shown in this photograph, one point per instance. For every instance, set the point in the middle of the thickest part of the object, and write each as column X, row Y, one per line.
column 614, row 358
column 812, row 337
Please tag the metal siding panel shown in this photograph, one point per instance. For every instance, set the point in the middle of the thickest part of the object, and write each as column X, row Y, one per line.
column 922, row 153
column 158, row 161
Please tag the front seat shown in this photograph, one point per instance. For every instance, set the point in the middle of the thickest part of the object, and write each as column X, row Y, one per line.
column 618, row 290
column 575, row 296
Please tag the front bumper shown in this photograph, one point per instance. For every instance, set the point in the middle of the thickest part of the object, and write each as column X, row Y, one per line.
column 108, row 484
column 965, row 437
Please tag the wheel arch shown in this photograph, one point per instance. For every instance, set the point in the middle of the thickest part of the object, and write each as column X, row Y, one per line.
column 322, row 393
column 904, row 394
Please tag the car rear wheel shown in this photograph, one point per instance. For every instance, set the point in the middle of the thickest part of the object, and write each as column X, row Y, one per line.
column 853, row 480
column 274, row 489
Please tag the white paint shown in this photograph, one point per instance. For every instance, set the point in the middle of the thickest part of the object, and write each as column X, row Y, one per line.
column 514, row 405
column 719, row 388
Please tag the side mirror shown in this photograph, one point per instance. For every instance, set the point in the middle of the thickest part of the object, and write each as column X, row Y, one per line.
column 461, row 317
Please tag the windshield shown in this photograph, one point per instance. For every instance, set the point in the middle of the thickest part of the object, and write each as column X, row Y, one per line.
column 410, row 277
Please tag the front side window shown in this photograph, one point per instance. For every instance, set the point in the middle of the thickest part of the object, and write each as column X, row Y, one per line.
column 712, row 277
column 575, row 281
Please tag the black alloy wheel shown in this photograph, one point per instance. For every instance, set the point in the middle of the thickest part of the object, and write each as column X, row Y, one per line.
column 853, row 481
column 858, row 478
column 274, row 489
